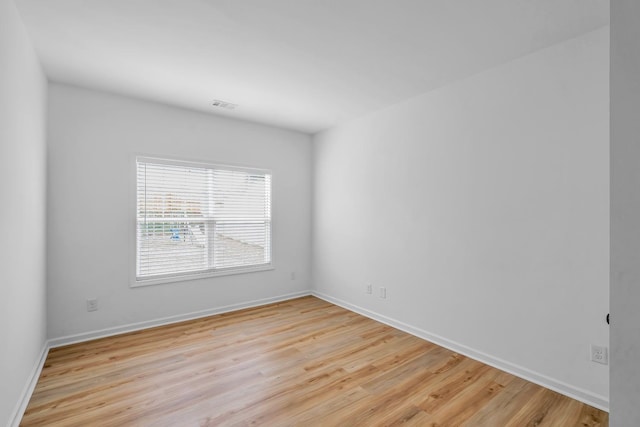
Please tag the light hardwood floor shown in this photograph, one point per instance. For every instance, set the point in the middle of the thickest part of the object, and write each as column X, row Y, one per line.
column 299, row 362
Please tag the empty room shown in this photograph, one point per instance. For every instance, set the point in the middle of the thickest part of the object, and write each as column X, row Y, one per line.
column 327, row 213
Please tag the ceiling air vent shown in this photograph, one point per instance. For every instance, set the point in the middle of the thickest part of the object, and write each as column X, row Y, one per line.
column 224, row 104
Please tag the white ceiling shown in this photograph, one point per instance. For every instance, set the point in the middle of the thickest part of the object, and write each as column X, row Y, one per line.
column 299, row 64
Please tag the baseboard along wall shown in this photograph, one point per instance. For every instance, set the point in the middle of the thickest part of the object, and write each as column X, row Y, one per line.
column 21, row 406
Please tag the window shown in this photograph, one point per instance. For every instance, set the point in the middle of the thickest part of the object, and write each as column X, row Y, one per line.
column 199, row 219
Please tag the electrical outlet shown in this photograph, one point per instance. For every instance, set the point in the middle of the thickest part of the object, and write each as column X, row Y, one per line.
column 383, row 292
column 293, row 275
column 369, row 288
column 92, row 304
column 599, row 354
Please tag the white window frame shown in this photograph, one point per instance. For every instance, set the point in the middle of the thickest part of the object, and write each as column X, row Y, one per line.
column 186, row 276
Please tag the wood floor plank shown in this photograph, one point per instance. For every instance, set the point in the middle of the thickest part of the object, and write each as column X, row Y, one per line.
column 297, row 362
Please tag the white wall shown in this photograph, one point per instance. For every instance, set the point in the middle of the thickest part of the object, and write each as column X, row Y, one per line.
column 22, row 213
column 93, row 138
column 483, row 209
column 625, row 213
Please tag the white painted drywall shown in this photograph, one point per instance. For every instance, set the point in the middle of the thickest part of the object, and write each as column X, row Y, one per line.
column 22, row 212
column 625, row 213
column 93, row 139
column 483, row 208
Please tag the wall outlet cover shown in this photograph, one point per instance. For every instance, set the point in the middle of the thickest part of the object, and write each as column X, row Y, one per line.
column 599, row 354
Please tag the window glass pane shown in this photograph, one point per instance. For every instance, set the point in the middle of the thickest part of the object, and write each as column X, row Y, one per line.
column 200, row 218
column 241, row 243
column 170, row 247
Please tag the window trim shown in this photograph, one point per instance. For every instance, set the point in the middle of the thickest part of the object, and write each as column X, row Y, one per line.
column 134, row 282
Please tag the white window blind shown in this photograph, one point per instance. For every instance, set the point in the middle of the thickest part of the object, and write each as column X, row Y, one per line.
column 195, row 218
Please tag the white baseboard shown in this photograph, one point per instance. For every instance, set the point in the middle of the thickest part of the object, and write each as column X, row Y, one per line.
column 585, row 396
column 116, row 330
column 21, row 406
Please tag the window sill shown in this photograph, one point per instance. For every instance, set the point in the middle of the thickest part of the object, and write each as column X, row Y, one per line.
column 195, row 276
